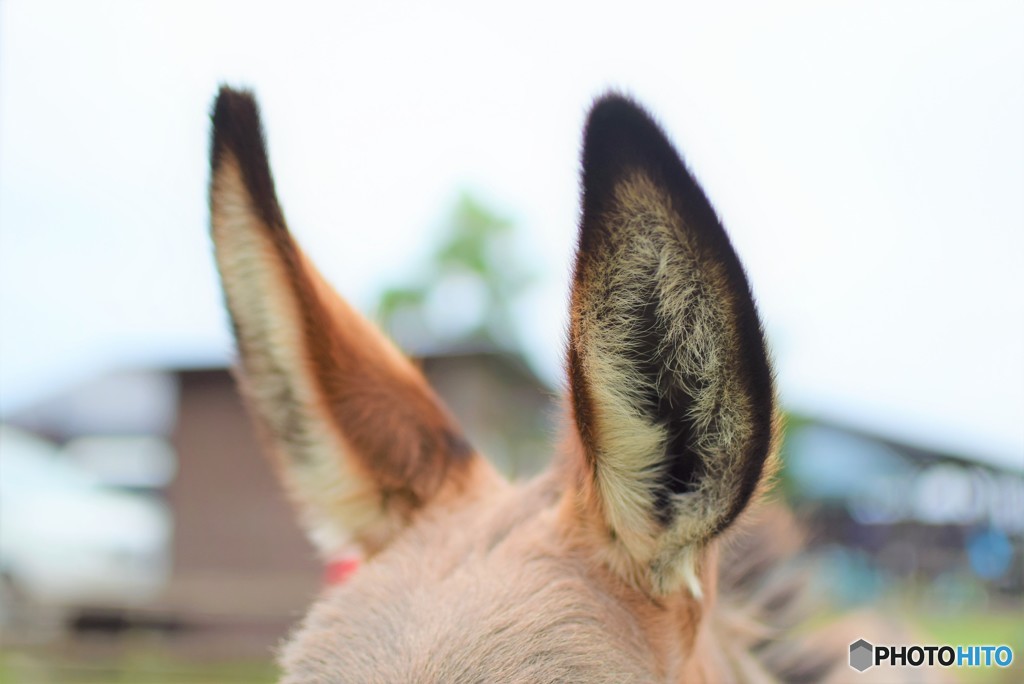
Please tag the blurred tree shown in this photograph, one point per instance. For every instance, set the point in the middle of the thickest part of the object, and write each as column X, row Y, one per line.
column 462, row 299
column 454, row 312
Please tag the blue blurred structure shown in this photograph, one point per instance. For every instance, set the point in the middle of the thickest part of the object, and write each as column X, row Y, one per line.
column 887, row 513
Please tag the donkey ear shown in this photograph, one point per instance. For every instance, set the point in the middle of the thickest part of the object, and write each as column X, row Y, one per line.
column 361, row 440
column 671, row 387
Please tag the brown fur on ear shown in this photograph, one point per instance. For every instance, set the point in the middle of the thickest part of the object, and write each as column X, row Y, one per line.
column 672, row 391
column 363, row 440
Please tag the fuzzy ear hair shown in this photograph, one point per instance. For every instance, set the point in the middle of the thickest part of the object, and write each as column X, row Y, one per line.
column 361, row 440
column 671, row 388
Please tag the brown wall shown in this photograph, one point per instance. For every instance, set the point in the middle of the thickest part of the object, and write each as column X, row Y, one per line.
column 237, row 547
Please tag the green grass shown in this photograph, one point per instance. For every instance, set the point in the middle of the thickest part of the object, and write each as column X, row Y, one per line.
column 987, row 628
column 990, row 627
column 21, row 668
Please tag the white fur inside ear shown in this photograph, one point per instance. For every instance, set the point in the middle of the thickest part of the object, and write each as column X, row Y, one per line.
column 337, row 504
column 625, row 478
column 686, row 573
column 650, row 258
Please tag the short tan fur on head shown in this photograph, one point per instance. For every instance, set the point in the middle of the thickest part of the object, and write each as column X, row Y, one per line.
column 605, row 568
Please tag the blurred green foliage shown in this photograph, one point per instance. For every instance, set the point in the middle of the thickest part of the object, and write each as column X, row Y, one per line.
column 464, row 294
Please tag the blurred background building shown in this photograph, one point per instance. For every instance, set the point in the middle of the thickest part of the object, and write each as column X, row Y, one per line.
column 164, row 518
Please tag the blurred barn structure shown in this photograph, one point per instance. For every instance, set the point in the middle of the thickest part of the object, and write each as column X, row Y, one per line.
column 236, row 561
column 237, row 566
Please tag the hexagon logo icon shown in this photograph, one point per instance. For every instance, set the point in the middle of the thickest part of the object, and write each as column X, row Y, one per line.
column 861, row 655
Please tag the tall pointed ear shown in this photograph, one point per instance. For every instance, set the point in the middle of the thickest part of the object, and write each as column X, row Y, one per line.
column 361, row 440
column 671, row 387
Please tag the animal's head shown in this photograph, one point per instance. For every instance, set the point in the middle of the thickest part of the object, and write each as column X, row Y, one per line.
column 604, row 569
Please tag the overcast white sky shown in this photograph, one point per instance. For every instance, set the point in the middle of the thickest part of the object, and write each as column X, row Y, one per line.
column 868, row 159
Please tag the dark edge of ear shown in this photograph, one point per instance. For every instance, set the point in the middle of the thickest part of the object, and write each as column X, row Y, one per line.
column 238, row 131
column 621, row 138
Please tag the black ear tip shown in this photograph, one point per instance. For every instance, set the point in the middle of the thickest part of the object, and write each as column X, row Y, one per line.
column 236, row 121
column 238, row 133
column 232, row 102
column 622, row 137
column 617, row 110
column 619, row 127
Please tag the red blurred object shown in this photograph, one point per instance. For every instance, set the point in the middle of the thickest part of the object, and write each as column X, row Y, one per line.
column 339, row 570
